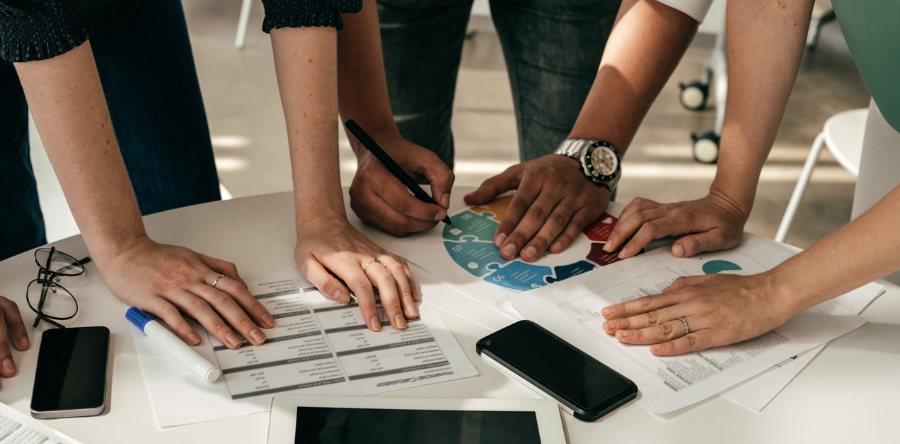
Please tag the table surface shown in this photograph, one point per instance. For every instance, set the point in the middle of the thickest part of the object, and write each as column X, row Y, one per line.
column 848, row 393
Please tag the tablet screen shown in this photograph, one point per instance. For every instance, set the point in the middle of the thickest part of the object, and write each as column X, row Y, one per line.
column 319, row 425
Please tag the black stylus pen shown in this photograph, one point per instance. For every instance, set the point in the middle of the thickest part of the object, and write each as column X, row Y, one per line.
column 391, row 165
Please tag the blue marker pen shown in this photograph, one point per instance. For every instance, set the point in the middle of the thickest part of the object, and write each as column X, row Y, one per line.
column 174, row 345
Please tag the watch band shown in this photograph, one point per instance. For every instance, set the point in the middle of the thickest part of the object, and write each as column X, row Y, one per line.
column 577, row 149
column 574, row 147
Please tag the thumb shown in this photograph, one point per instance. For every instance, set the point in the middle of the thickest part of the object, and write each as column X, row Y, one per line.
column 494, row 186
column 693, row 244
column 441, row 179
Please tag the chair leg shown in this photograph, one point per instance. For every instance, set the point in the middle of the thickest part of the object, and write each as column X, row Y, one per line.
column 800, row 188
column 242, row 24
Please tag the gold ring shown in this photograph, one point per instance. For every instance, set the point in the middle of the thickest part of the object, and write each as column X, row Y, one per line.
column 372, row 261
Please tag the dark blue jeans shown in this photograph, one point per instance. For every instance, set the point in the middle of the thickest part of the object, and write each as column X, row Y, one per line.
column 552, row 50
column 147, row 71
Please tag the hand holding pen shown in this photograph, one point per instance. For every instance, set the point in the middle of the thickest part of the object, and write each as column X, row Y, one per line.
column 381, row 198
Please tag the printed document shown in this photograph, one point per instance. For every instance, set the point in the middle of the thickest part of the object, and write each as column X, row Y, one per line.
column 317, row 346
column 571, row 310
column 17, row 428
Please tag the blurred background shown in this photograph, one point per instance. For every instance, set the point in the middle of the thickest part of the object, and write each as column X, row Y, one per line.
column 250, row 140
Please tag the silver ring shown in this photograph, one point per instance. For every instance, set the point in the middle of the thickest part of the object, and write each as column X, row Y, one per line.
column 217, row 280
column 686, row 329
column 370, row 262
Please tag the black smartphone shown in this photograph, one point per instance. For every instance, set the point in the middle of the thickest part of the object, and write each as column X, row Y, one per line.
column 582, row 385
column 70, row 379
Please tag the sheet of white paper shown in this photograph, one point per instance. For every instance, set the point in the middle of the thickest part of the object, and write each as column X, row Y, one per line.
column 317, row 346
column 759, row 391
column 465, row 257
column 17, row 428
column 668, row 384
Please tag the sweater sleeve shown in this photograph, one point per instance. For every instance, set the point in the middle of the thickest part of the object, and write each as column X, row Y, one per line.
column 301, row 13
column 40, row 29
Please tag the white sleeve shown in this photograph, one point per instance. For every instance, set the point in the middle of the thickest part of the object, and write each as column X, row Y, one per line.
column 695, row 8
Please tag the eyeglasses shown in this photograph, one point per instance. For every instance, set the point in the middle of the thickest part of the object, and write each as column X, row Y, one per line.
column 54, row 302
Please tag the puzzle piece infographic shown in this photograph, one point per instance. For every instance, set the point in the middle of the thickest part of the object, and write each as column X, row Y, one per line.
column 474, row 256
column 519, row 276
column 470, row 244
column 468, row 223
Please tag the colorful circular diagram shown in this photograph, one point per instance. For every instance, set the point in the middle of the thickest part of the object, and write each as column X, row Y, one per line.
column 470, row 244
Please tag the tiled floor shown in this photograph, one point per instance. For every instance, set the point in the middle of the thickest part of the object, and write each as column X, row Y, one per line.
column 250, row 142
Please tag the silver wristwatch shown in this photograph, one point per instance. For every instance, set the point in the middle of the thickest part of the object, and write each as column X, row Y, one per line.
column 600, row 161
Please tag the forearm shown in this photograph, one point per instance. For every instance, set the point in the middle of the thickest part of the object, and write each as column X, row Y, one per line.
column 860, row 252
column 765, row 41
column 69, row 109
column 362, row 87
column 646, row 44
column 306, row 67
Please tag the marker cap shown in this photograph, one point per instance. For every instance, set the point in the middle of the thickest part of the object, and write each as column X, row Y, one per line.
column 137, row 317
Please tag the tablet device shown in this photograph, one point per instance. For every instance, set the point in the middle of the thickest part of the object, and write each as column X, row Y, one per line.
column 311, row 419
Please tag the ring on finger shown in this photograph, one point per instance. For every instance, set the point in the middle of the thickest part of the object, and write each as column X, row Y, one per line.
column 372, row 262
column 217, row 280
column 687, row 329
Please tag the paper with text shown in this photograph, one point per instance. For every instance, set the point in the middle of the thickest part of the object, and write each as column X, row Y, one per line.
column 17, row 428
column 668, row 384
column 317, row 346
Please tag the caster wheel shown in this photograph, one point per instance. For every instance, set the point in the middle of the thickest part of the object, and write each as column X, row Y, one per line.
column 706, row 147
column 693, row 95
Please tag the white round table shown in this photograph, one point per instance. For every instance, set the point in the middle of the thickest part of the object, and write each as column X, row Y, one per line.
column 847, row 394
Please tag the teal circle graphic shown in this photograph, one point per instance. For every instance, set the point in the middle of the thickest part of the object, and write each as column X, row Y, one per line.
column 718, row 266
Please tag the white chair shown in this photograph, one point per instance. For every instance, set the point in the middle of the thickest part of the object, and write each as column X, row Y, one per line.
column 242, row 24
column 843, row 135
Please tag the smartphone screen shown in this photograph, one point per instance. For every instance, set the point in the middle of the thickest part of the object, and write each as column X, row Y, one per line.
column 70, row 379
column 562, row 369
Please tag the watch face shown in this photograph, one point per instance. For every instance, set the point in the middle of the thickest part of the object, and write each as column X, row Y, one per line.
column 604, row 161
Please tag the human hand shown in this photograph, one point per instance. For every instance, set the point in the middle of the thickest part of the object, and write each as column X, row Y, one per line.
column 330, row 243
column 553, row 204
column 11, row 319
column 712, row 223
column 163, row 279
column 719, row 309
column 379, row 198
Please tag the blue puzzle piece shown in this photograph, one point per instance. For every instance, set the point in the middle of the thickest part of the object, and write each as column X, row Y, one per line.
column 519, row 276
column 564, row 272
column 469, row 223
column 474, row 256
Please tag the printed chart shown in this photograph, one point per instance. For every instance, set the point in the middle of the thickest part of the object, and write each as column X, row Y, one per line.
column 470, row 244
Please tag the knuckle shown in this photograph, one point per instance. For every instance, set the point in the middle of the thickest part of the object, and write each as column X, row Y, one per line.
column 653, row 317
column 666, row 329
column 692, row 340
column 561, row 218
column 644, row 302
column 168, row 311
column 219, row 298
column 195, row 304
column 245, row 324
column 221, row 327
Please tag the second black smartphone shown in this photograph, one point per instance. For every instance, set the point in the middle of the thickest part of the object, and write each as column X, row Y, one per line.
column 70, row 379
column 556, row 369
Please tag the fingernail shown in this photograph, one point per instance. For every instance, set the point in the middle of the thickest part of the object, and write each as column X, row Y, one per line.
column 268, row 320
column 622, row 253
column 624, row 333
column 445, row 201
column 193, row 338
column 440, row 216
column 400, row 320
column 498, row 239
column 612, row 325
column 232, row 339
column 606, row 311
column 338, row 295
column 24, row 343
column 258, row 335
column 556, row 248
column 677, row 250
column 8, row 367
column 509, row 251
column 411, row 311
column 530, row 253
column 656, row 348
column 607, row 247
column 375, row 323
